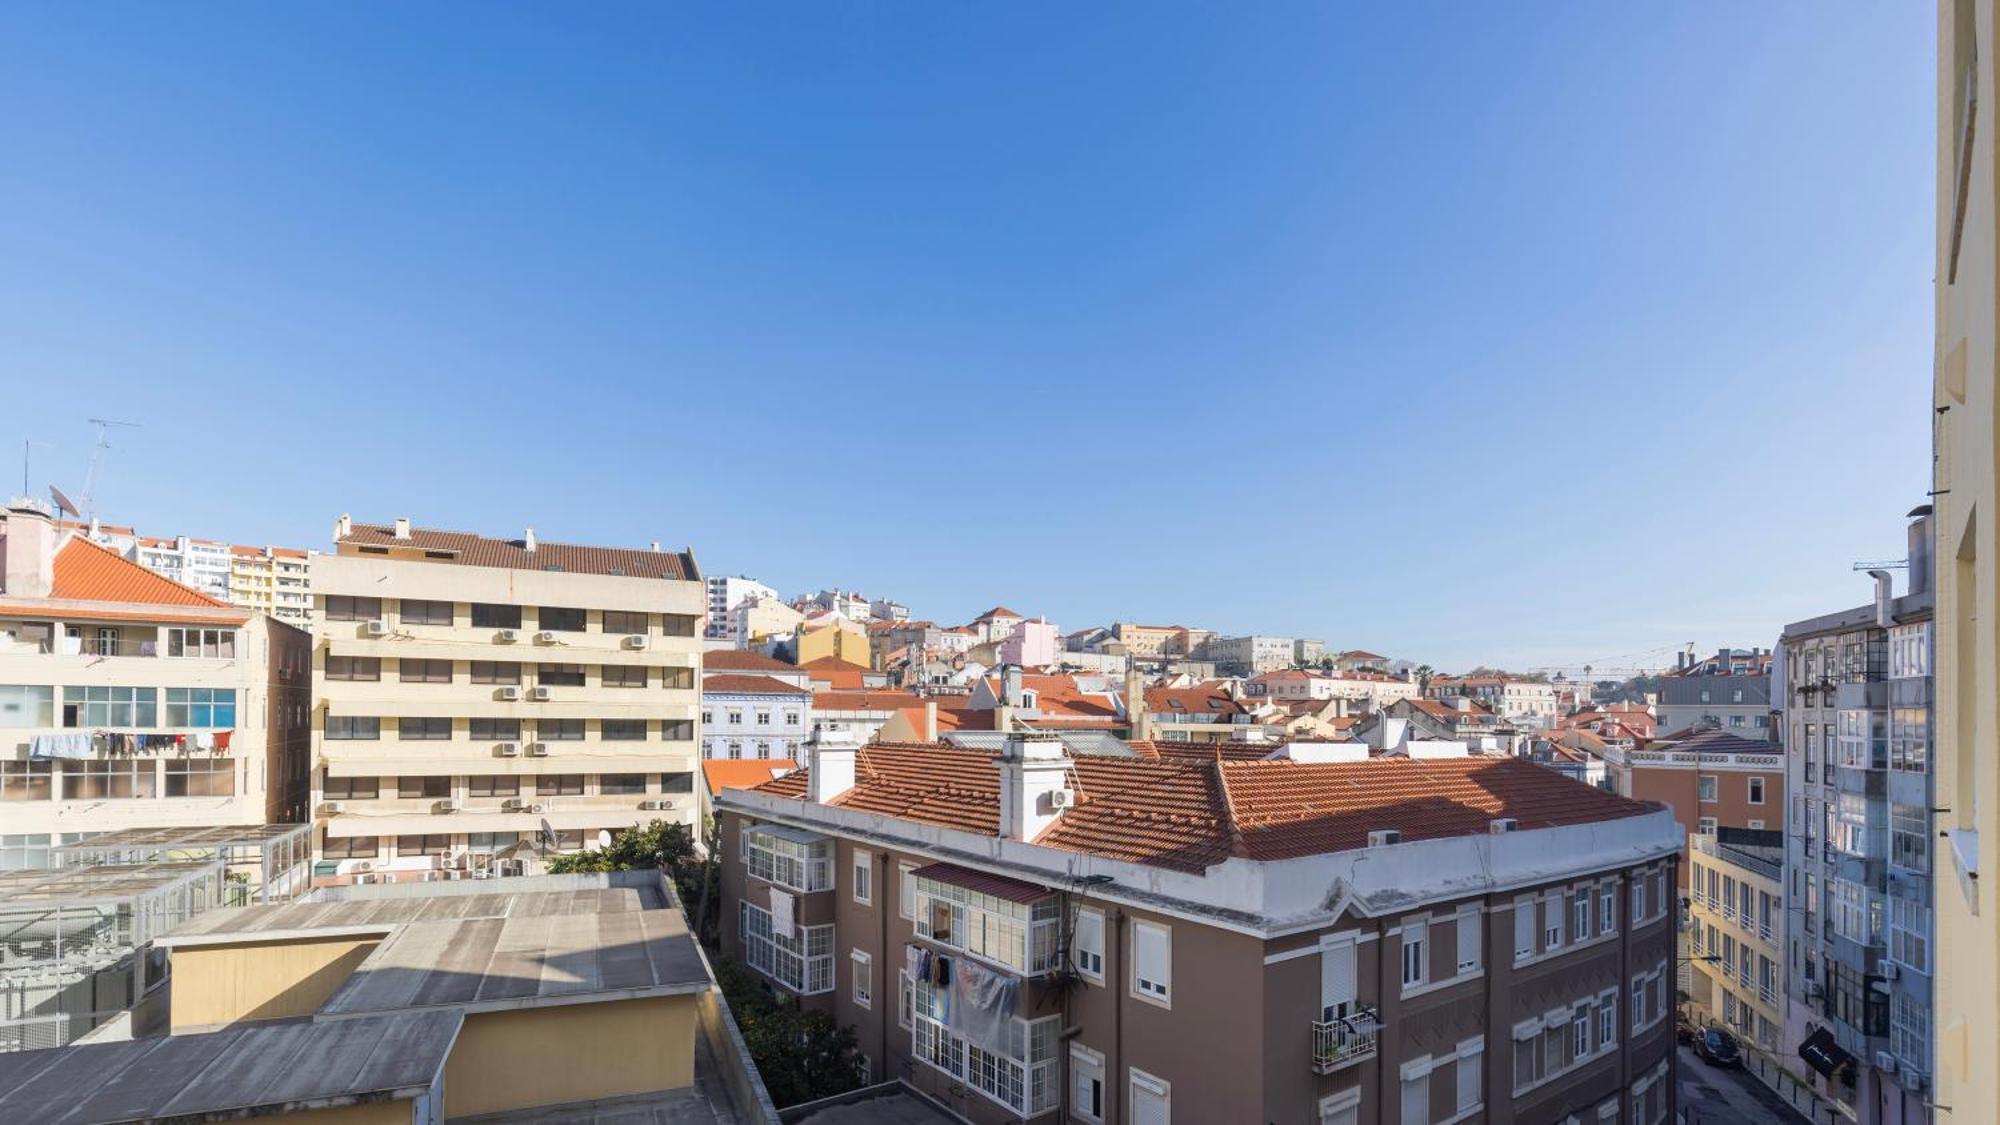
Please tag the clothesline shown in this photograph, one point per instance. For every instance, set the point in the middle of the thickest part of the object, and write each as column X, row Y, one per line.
column 77, row 745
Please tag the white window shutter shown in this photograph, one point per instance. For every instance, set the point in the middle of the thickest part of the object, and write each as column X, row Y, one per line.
column 1524, row 927
column 1336, row 974
column 1468, row 942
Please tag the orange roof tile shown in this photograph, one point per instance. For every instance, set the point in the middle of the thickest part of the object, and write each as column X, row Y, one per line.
column 87, row 572
column 747, row 773
column 742, row 660
column 749, row 685
column 478, row 550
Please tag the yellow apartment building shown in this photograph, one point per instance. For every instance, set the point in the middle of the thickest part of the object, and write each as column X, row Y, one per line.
column 1736, row 938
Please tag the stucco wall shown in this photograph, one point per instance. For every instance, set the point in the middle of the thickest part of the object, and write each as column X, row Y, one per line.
column 262, row 980
column 575, row 1052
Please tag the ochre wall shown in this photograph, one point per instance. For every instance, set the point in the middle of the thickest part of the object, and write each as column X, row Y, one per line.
column 260, row 980
column 575, row 1052
column 401, row 1112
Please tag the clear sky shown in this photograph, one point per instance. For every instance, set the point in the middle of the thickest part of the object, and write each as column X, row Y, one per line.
column 1523, row 334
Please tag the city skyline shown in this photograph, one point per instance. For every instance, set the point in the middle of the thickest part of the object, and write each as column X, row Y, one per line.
column 759, row 281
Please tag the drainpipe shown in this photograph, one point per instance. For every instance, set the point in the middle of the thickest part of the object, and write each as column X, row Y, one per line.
column 1114, row 1107
column 890, row 958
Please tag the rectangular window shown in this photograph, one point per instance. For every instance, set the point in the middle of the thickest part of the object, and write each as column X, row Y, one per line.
column 486, row 616
column 358, row 668
column 1086, row 1068
column 353, row 728
column 27, row 706
column 1756, row 790
column 624, row 676
column 561, row 619
column 676, row 783
column 906, row 892
column 433, row 844
column 209, row 708
column 677, row 678
column 353, row 788
column 26, row 781
column 423, row 671
column 1579, row 1035
column 415, row 611
column 496, row 672
column 1152, row 1099
column 1152, row 961
column 493, row 785
column 559, row 785
column 621, row 784
column 110, row 707
column 414, row 788
column 1416, row 1098
column 629, row 622
column 1468, row 941
column 489, row 842
column 1607, row 1022
column 559, row 675
column 1552, row 920
column 862, row 876
column 1580, row 916
column 676, row 730
column 1638, row 899
column 209, row 643
column 677, row 624
column 559, row 730
column 109, row 780
column 1416, row 952
column 342, row 608
column 862, row 968
column 423, row 729
column 201, row 777
column 494, row 730
column 802, row 962
column 1706, row 785
column 1607, row 909
column 352, row 847
column 623, row 730
column 1524, row 928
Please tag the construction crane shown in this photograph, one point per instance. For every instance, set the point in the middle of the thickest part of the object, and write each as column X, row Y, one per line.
column 1885, row 564
column 97, row 455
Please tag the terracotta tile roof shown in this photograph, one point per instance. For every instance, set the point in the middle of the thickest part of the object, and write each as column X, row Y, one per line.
column 1360, row 654
column 996, row 611
column 883, row 700
column 833, row 672
column 468, row 549
column 742, row 660
column 748, row 685
column 1203, row 700
column 87, row 572
column 1721, row 742
column 1191, row 814
column 748, row 773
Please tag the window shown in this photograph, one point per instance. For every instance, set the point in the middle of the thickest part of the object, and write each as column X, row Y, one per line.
column 1607, row 908
column 1468, row 941
column 353, row 728
column 433, row 844
column 352, row 847
column 493, row 785
column 496, row 672
column 116, row 780
column 677, row 783
column 415, row 611
column 110, row 707
column 906, row 1002
column 1909, row 933
column 559, row 730
column 211, row 708
column 623, row 676
column 1756, row 790
column 1638, row 900
column 1705, row 826
column 625, row 621
column 559, row 785
column 862, row 969
column 735, row 717
column 27, row 706
column 801, row 861
column 1607, row 1020
column 353, row 788
column 802, row 962
column 1086, row 1069
column 1579, row 1034
column 353, row 668
column 485, row 616
column 494, row 730
column 681, row 678
column 677, row 624
column 1552, row 920
column 621, row 784
column 906, row 891
column 1524, row 928
column 1088, row 940
column 623, row 730
column 201, row 777
column 489, row 842
column 862, row 875
column 1706, row 783
column 26, row 781
column 210, row 643
column 1909, row 837
column 342, row 608
column 1416, row 952
column 423, row 671
column 419, row 787
column 559, row 675
column 763, row 718
column 1152, row 961
column 677, row 730
column 562, row 619
column 1152, row 1099
column 1470, row 1069
column 1416, row 1097
column 423, row 729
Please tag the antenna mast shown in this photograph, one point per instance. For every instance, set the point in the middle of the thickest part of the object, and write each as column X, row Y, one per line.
column 96, row 455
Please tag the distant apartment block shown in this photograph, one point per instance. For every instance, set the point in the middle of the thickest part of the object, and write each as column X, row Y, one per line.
column 1524, row 702
column 726, row 594
column 1248, row 656
column 1713, row 780
column 1729, row 691
column 482, row 699
column 1736, row 933
column 273, row 580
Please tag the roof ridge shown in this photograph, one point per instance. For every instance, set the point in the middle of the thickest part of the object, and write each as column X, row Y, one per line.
column 1238, row 846
column 148, row 572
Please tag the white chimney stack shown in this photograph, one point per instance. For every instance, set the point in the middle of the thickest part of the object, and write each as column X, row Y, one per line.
column 830, row 761
column 528, row 540
column 27, row 552
column 343, row 527
column 1034, row 770
column 402, row 527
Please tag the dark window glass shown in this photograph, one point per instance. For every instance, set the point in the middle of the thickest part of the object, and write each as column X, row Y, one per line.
column 424, row 671
column 486, row 616
column 559, row 785
column 496, row 730
column 677, row 730
column 559, row 730
column 676, row 783
column 416, row 612
column 624, row 621
column 353, row 727
column 677, row 677
column 352, row 847
column 423, row 730
column 624, row 730
column 502, row 785
column 616, row 675
column 622, row 783
column 353, row 788
column 353, row 668
column 340, row 607
column 562, row 619
column 437, row 786
column 423, row 845
column 559, row 675
column 677, row 624
column 496, row 672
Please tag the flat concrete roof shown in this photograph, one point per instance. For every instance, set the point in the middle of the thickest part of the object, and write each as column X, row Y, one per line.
column 484, row 951
column 237, row 1072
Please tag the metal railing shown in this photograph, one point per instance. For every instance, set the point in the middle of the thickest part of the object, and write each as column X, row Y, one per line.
column 1340, row 1042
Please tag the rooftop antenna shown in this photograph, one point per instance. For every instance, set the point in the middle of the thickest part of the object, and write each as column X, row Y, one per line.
column 96, row 455
column 27, row 451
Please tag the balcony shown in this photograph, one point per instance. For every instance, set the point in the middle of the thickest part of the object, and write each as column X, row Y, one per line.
column 1344, row 1042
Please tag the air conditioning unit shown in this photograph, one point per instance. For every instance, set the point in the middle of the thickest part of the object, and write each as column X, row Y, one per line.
column 1889, row 970
column 507, row 636
column 635, row 641
column 431, row 876
column 445, row 806
column 545, row 637
column 1885, row 1062
column 538, row 749
column 331, row 808
column 1383, row 837
column 453, row 875
column 541, row 694
column 366, row 877
column 378, row 628
column 364, row 865
column 1504, row 824
column 513, row 803
column 508, row 694
column 652, row 806
column 1813, row 989
column 538, row 809
column 508, row 750
column 1062, row 798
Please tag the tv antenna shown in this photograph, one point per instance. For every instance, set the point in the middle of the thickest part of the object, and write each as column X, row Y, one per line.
column 97, row 455
column 27, row 452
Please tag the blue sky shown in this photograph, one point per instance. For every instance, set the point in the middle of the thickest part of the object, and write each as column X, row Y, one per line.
column 1524, row 334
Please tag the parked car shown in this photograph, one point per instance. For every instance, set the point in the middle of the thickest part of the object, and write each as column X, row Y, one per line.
column 1718, row 1047
column 1684, row 1029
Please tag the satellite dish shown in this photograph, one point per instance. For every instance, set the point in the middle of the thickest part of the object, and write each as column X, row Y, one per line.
column 603, row 838
column 63, row 502
column 548, row 834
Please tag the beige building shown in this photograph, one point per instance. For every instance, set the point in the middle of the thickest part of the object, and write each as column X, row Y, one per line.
column 1736, row 933
column 128, row 701
column 272, row 580
column 1123, row 939
column 476, row 697
column 1966, row 1019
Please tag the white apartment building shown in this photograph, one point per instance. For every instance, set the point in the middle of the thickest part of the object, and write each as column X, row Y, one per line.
column 476, row 698
column 273, row 580
column 1529, row 703
column 725, row 594
column 750, row 715
column 1249, row 656
column 200, row 563
column 128, row 701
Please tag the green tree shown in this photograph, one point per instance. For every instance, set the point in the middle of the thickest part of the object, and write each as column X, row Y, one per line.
column 667, row 847
column 801, row 1055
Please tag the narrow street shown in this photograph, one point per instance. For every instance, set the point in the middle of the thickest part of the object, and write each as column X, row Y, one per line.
column 1711, row 1096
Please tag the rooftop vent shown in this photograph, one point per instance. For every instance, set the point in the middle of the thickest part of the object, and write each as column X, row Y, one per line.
column 1384, row 836
column 402, row 527
column 1504, row 824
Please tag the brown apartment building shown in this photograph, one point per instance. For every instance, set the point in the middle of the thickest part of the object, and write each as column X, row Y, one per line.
column 1710, row 780
column 1127, row 939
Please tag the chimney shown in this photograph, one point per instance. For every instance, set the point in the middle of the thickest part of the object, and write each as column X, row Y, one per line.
column 528, row 540
column 1920, row 550
column 1885, row 598
column 830, row 758
column 656, row 546
column 1136, row 714
column 402, row 527
column 27, row 552
column 343, row 527
column 96, row 529
column 1463, row 703
column 1034, row 776
column 930, row 720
